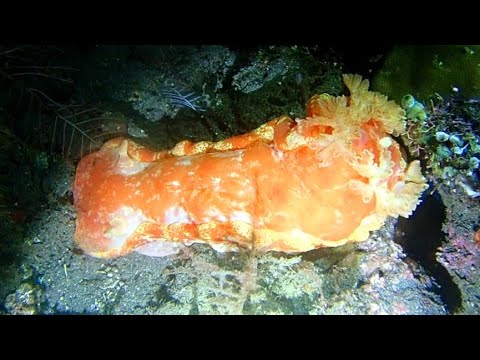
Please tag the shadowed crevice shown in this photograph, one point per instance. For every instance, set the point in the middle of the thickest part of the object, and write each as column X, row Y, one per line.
column 420, row 236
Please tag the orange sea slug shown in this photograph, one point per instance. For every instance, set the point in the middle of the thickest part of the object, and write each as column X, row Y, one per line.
column 289, row 186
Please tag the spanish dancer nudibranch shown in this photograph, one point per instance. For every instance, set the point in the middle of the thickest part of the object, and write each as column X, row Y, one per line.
column 289, row 185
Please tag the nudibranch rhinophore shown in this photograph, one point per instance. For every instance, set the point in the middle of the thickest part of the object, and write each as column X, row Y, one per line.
column 289, row 185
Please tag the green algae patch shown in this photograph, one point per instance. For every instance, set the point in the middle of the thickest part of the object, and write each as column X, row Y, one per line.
column 424, row 71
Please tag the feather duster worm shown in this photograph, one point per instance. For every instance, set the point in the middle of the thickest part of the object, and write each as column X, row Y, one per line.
column 289, row 186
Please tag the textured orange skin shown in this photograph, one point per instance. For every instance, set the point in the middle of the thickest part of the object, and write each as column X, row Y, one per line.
column 254, row 190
